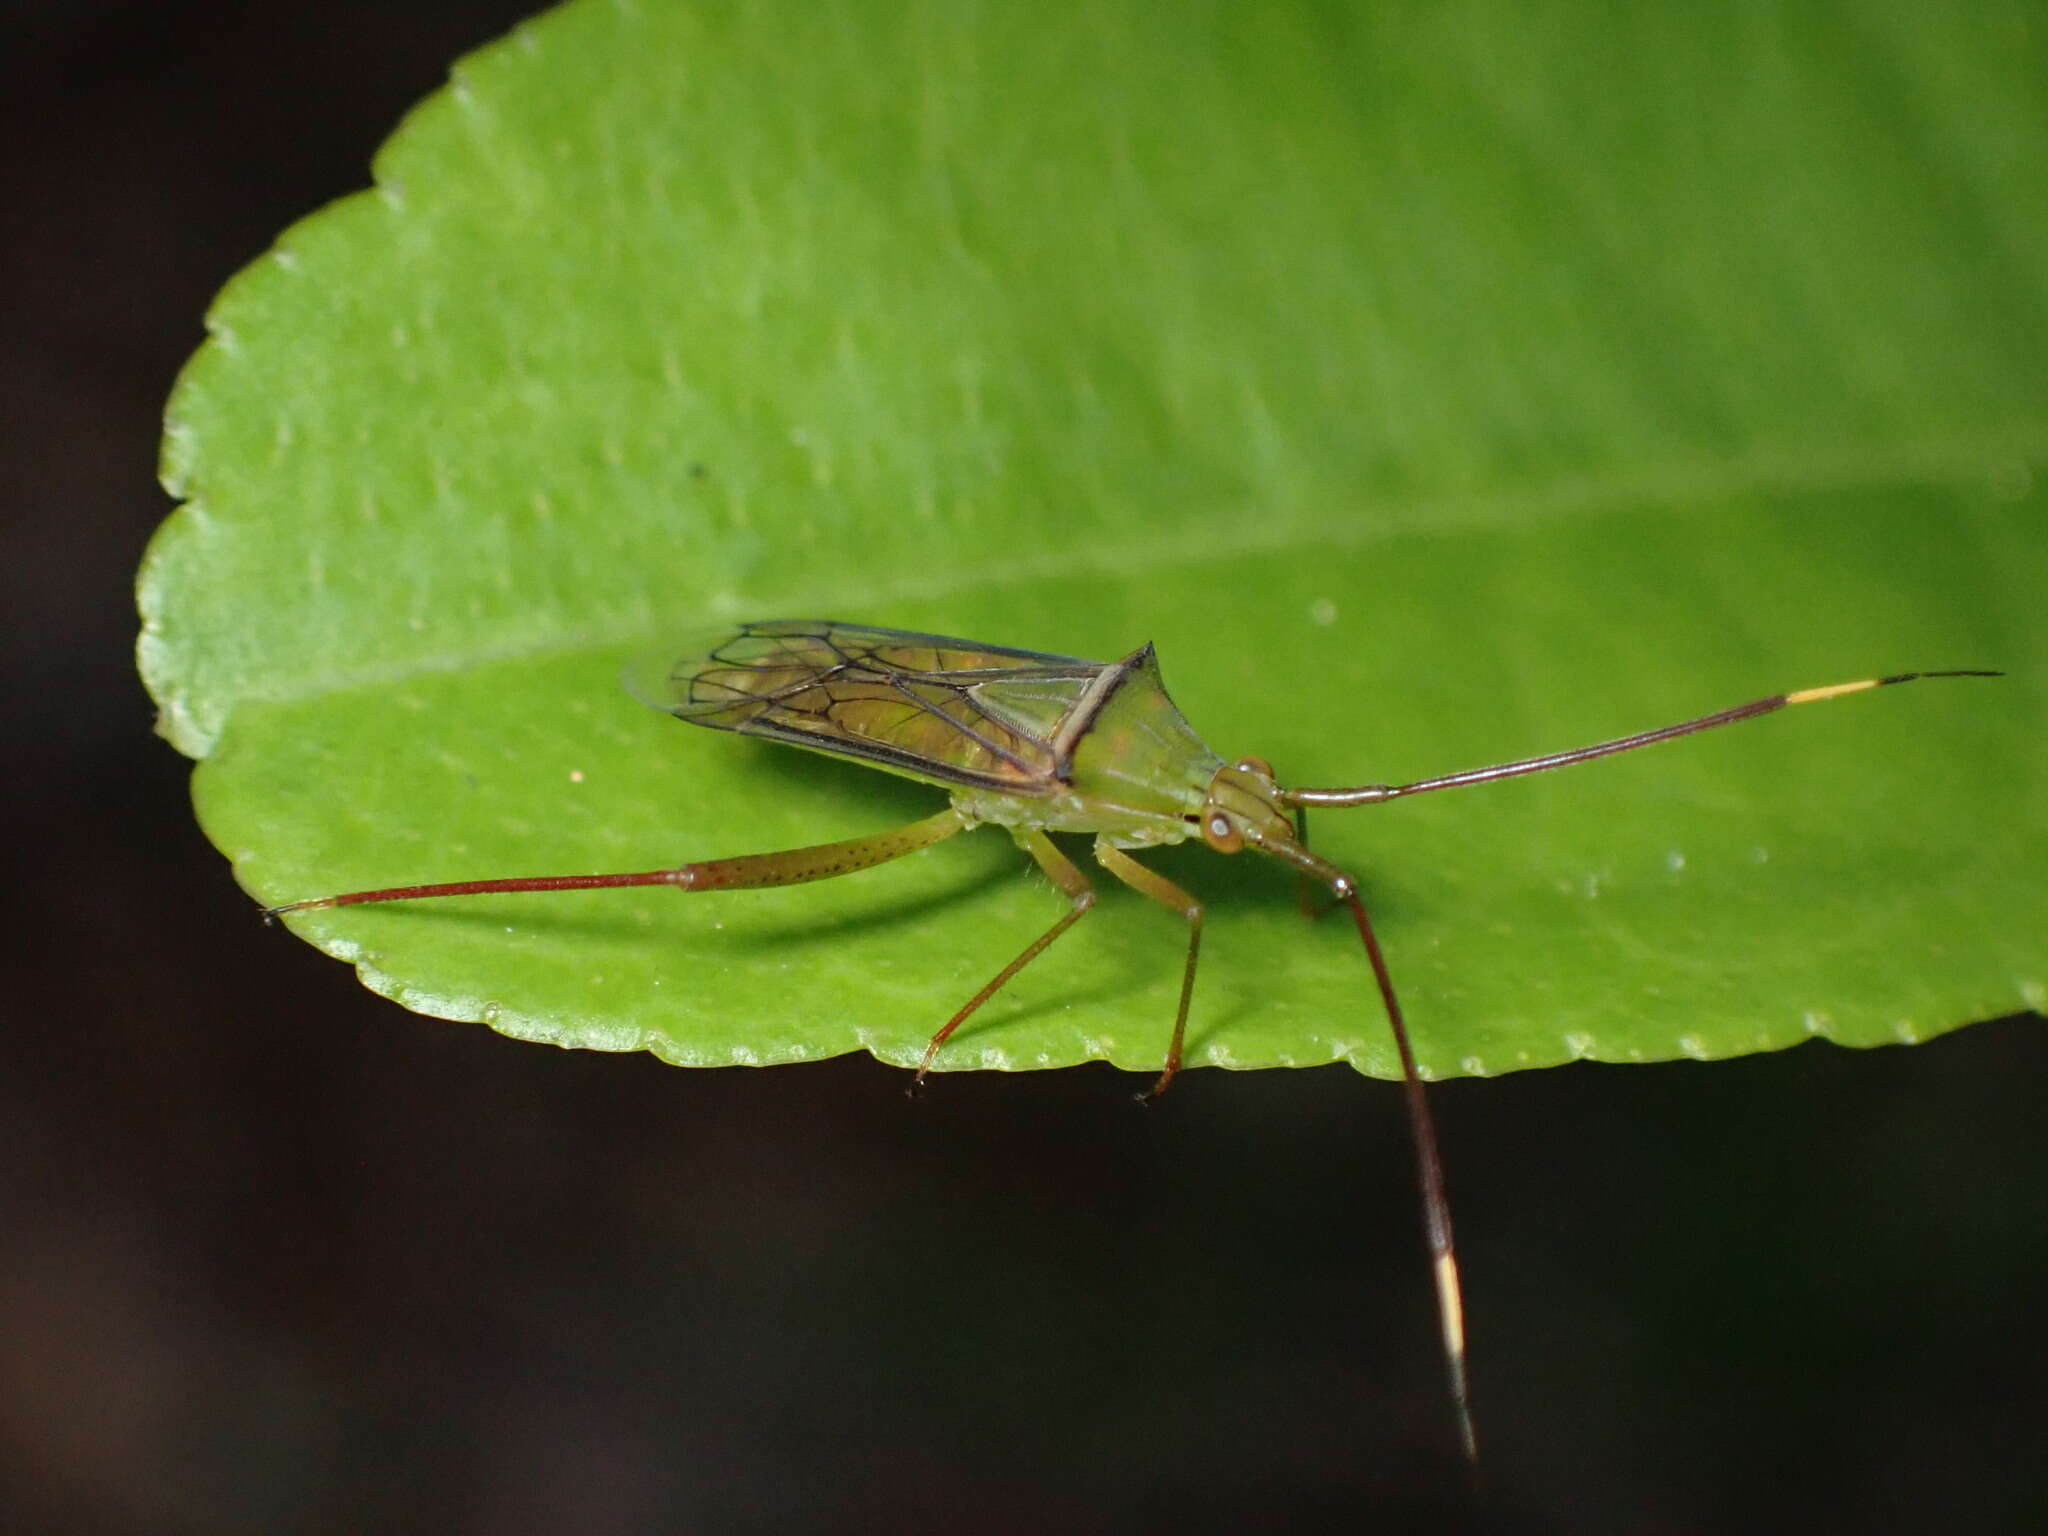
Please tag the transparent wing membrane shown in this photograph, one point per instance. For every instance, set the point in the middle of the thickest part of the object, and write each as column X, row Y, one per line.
column 944, row 710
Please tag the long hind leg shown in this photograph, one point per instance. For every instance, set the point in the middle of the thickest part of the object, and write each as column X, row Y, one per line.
column 747, row 871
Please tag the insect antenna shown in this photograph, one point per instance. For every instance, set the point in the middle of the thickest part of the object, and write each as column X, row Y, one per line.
column 1436, row 1205
column 1429, row 1162
column 1373, row 794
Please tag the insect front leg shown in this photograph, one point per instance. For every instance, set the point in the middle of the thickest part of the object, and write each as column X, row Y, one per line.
column 1065, row 874
column 1174, row 899
column 1307, row 887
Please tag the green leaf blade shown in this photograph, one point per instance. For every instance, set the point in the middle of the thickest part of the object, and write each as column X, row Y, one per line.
column 1429, row 395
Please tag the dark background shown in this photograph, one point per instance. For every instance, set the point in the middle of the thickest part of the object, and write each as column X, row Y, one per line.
column 276, row 1256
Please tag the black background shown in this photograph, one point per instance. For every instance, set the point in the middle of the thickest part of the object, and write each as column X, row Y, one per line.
column 277, row 1256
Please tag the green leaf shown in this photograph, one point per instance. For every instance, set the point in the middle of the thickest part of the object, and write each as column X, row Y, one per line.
column 1434, row 385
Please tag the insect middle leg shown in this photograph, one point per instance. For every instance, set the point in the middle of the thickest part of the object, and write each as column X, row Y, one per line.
column 1065, row 874
column 1174, row 899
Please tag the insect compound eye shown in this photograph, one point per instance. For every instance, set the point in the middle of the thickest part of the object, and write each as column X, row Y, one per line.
column 1255, row 765
column 1220, row 833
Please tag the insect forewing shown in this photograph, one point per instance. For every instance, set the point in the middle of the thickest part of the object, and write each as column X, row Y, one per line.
column 932, row 707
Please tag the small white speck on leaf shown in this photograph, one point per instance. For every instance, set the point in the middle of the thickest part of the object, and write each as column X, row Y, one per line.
column 1322, row 611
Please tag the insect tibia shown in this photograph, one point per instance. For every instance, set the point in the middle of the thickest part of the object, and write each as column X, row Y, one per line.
column 751, row 871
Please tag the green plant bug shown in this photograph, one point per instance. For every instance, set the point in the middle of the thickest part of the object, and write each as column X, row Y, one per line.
column 1039, row 744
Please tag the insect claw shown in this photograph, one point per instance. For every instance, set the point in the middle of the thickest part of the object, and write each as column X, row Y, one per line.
column 272, row 914
column 1165, row 1080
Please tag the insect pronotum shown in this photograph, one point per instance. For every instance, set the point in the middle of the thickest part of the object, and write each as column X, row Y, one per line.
column 1039, row 744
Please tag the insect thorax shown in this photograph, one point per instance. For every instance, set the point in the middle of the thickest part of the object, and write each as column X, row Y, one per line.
column 1138, row 775
column 1125, row 826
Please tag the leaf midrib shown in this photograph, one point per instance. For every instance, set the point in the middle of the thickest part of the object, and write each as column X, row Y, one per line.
column 1665, row 491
